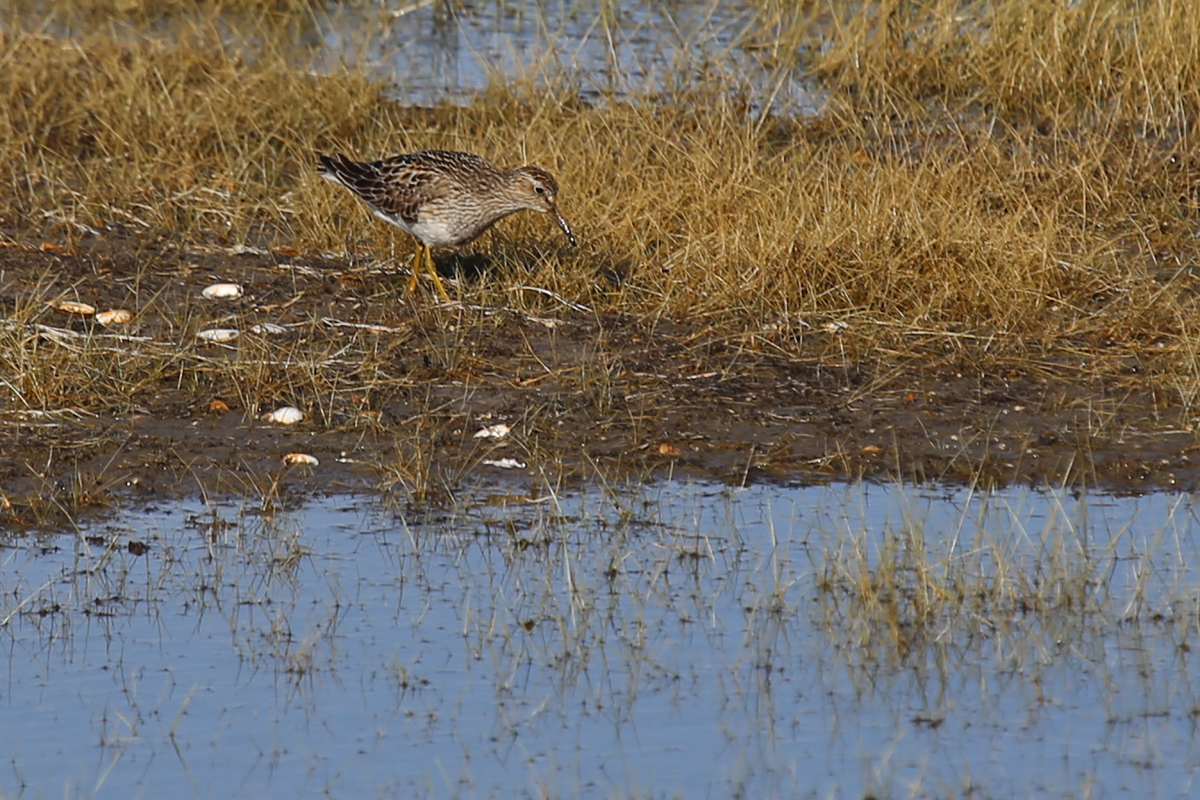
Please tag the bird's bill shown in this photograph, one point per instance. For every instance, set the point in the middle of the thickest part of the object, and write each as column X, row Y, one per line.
column 562, row 223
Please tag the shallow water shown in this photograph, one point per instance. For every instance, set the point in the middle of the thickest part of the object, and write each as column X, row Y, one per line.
column 611, row 49
column 670, row 640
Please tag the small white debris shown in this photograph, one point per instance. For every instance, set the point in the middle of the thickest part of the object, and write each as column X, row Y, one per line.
column 300, row 459
column 117, row 316
column 246, row 250
column 493, row 432
column 288, row 415
column 218, row 335
column 73, row 309
column 222, row 291
column 545, row 322
column 268, row 329
column 835, row 327
column 504, row 463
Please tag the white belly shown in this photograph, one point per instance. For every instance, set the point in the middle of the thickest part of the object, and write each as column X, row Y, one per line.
column 437, row 231
column 446, row 229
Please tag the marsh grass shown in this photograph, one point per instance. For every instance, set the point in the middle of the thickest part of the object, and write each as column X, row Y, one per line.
column 916, row 589
column 1096, row 63
column 984, row 205
column 1010, row 186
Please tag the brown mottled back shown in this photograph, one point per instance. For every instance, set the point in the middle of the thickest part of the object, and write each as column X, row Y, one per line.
column 444, row 197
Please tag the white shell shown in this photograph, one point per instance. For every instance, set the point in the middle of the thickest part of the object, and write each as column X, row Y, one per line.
column 245, row 249
column 504, row 463
column 493, row 432
column 117, row 316
column 218, row 335
column 73, row 308
column 222, row 291
column 298, row 459
column 285, row 416
column 268, row 329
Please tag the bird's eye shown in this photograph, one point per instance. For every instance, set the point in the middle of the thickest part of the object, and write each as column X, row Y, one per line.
column 540, row 189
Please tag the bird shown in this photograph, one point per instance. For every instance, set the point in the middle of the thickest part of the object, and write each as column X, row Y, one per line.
column 442, row 197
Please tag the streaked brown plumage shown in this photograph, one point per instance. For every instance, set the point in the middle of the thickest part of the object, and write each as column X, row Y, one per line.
column 443, row 198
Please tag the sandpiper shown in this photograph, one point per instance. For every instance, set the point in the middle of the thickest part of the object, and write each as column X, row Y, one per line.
column 442, row 197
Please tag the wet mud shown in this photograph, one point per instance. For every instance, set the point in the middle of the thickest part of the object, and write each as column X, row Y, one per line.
column 395, row 390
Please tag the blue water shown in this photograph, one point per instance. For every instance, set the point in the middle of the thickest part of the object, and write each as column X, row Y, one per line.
column 606, row 49
column 670, row 640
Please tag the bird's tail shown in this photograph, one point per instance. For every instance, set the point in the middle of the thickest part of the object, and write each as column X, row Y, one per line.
column 340, row 169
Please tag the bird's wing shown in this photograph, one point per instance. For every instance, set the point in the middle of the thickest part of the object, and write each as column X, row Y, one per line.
column 399, row 186
column 407, row 183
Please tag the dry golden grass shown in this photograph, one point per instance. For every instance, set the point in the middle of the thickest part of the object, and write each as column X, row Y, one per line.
column 1095, row 63
column 87, row 12
column 1004, row 180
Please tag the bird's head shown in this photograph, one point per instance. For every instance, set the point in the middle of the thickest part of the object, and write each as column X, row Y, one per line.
column 539, row 192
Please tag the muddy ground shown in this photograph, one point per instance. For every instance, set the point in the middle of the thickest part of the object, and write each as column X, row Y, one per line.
column 587, row 395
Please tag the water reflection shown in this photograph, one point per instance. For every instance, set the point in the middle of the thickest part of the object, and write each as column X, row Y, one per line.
column 670, row 640
column 431, row 53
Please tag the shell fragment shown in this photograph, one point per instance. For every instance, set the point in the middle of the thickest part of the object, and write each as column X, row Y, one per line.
column 117, row 316
column 218, row 335
column 268, row 329
column 288, row 415
column 493, row 432
column 504, row 463
column 300, row 459
column 222, row 291
column 74, row 309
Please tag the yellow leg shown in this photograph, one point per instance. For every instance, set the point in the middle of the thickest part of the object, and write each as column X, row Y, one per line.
column 437, row 281
column 423, row 259
column 416, row 267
